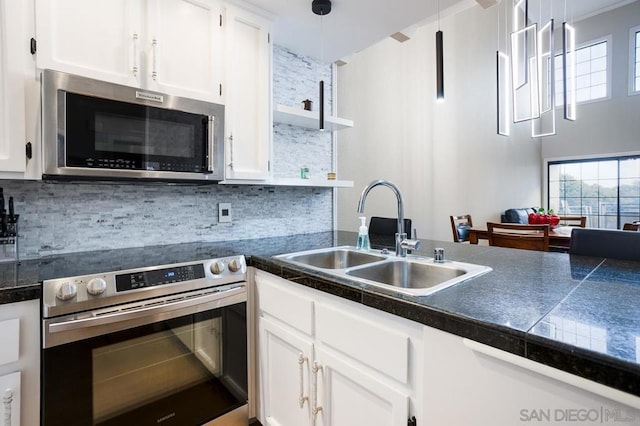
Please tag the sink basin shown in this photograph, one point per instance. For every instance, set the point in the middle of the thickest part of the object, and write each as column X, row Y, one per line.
column 414, row 275
column 339, row 258
column 407, row 274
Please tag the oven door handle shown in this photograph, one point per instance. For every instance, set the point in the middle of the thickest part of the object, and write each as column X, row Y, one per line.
column 153, row 311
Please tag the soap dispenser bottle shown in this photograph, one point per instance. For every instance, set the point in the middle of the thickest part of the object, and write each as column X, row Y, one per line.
column 363, row 236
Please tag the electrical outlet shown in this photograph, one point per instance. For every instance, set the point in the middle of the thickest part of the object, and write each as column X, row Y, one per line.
column 224, row 212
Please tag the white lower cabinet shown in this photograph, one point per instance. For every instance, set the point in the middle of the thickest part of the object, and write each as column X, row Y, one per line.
column 20, row 363
column 285, row 373
column 349, row 395
column 327, row 361
column 471, row 384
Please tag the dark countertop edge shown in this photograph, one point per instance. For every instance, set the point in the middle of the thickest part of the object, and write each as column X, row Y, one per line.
column 591, row 365
column 600, row 368
column 20, row 294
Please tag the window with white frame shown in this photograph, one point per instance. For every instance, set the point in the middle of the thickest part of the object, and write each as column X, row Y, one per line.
column 592, row 72
column 634, row 60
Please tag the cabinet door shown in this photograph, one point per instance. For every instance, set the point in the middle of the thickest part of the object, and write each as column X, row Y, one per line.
column 502, row 389
column 10, row 404
column 184, row 48
column 94, row 38
column 248, row 97
column 350, row 396
column 12, row 94
column 284, row 375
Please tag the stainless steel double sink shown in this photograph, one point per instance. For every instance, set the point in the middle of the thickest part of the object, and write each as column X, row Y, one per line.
column 415, row 275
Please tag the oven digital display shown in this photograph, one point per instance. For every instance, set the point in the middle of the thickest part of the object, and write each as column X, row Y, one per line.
column 136, row 280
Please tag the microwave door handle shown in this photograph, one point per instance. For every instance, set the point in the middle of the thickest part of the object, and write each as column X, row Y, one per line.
column 210, row 142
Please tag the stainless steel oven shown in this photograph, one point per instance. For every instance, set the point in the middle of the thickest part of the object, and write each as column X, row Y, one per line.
column 163, row 345
column 98, row 130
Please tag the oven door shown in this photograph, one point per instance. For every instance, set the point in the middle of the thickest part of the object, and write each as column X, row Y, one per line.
column 183, row 363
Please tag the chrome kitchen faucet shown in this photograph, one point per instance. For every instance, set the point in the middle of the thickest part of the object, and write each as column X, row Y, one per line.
column 402, row 243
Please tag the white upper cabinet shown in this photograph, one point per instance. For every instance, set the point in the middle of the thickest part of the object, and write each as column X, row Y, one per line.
column 185, row 49
column 172, row 46
column 13, row 48
column 248, row 95
column 93, row 38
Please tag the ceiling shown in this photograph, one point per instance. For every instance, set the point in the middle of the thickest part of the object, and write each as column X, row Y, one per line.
column 354, row 25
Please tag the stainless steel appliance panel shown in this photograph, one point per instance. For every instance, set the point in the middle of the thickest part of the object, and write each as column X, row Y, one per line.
column 56, row 121
column 163, row 345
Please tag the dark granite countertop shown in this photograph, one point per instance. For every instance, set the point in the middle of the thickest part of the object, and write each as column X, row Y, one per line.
column 578, row 314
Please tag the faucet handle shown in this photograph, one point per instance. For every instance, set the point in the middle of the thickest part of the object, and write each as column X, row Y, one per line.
column 403, row 244
column 410, row 244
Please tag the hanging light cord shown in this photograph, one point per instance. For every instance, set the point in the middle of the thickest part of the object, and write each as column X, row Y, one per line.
column 321, row 38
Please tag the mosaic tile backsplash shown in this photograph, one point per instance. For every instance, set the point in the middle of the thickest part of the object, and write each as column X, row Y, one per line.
column 64, row 217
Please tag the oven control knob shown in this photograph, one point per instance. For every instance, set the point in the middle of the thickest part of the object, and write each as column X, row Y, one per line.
column 67, row 291
column 96, row 286
column 217, row 267
column 234, row 265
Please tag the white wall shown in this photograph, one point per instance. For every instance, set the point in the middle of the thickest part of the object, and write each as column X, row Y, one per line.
column 446, row 158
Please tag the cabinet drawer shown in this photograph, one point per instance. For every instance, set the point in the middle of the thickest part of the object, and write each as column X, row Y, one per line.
column 381, row 348
column 9, row 341
column 289, row 306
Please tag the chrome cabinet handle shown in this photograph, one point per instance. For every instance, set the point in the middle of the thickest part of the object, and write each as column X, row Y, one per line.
column 7, row 399
column 314, row 392
column 231, row 151
column 154, row 54
column 301, row 360
column 134, row 70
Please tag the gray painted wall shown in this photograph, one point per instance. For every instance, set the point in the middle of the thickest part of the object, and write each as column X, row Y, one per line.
column 608, row 126
column 71, row 217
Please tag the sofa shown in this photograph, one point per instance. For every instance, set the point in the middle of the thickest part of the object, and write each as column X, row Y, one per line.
column 520, row 215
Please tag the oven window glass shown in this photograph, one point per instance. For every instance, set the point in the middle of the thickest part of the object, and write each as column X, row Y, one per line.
column 102, row 133
column 179, row 372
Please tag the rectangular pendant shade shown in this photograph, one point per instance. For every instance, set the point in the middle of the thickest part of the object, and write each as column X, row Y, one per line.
column 439, row 67
column 321, row 96
column 569, row 70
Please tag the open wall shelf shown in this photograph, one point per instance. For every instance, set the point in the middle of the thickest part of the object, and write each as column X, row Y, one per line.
column 309, row 119
column 293, row 182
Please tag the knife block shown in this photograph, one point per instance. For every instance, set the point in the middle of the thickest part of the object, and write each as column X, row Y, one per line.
column 9, row 244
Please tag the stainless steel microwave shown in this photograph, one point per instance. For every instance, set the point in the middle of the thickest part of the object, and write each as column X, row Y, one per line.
column 104, row 131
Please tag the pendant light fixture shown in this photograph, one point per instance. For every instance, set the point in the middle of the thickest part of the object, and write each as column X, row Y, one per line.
column 322, row 8
column 439, row 62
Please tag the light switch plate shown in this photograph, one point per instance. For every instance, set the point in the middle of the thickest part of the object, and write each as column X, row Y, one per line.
column 224, row 212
